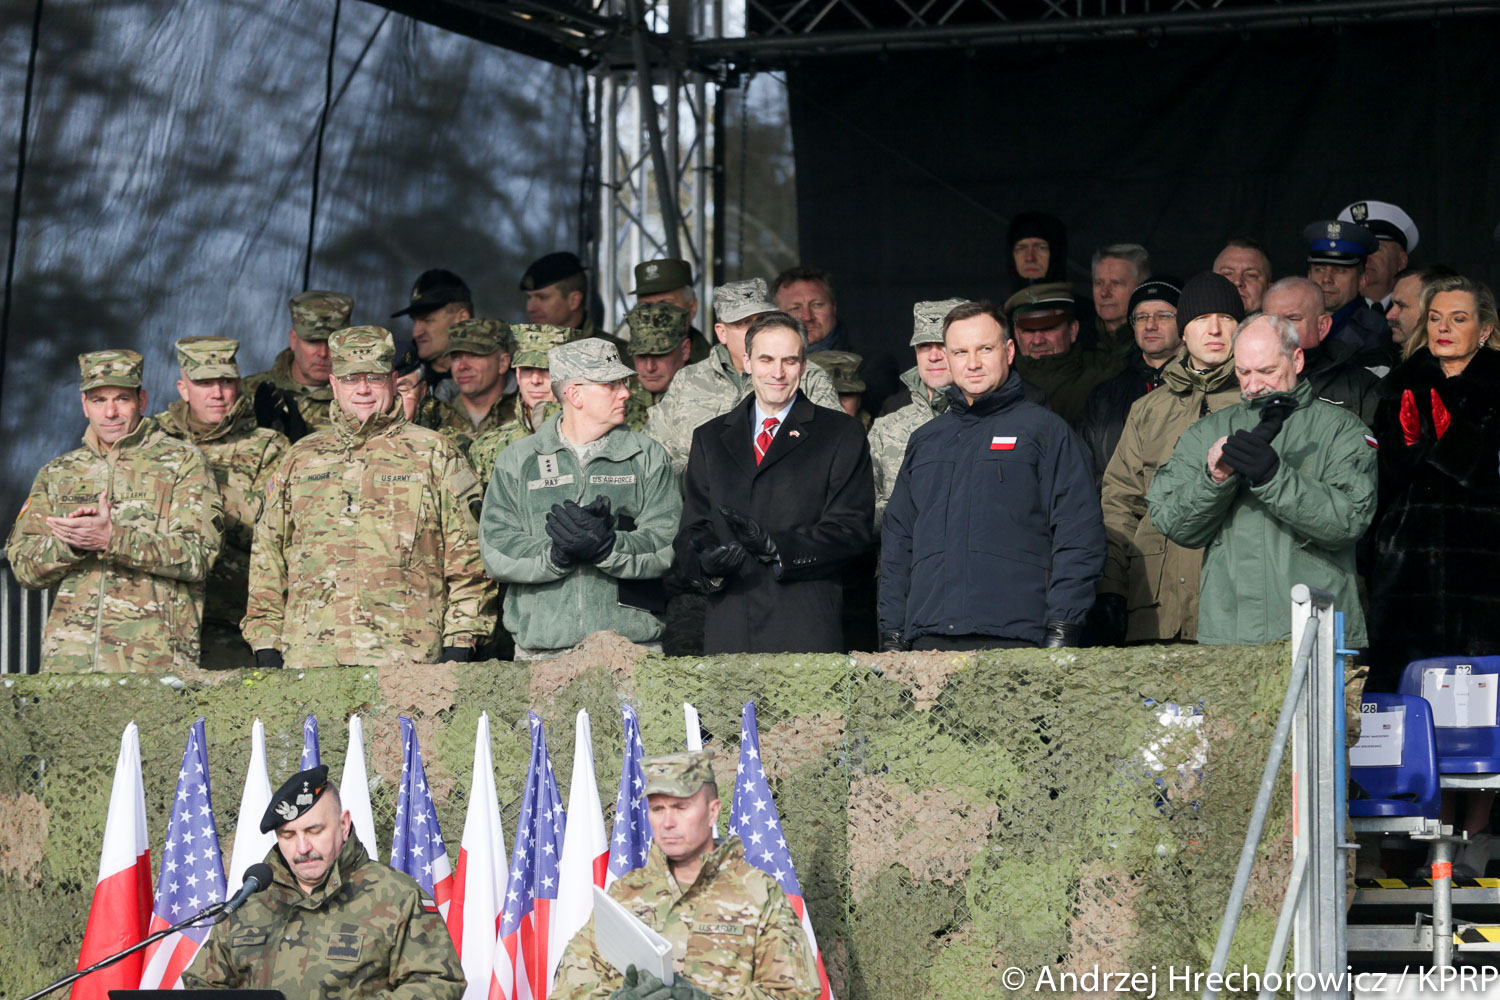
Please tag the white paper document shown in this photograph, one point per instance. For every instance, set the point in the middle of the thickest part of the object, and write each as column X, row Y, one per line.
column 624, row 941
column 1380, row 735
column 1460, row 699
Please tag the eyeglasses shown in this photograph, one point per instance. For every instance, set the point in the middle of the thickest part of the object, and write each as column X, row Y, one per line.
column 363, row 378
column 1162, row 318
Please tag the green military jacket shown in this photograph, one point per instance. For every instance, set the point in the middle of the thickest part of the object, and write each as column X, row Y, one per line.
column 366, row 550
column 734, row 933
column 365, row 932
column 1069, row 377
column 890, row 433
column 241, row 456
column 453, row 420
column 139, row 604
column 1299, row 526
column 711, row 388
column 548, row 607
column 1157, row 577
column 314, row 402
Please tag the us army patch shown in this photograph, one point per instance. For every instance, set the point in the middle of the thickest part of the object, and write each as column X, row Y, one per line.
column 343, row 944
column 397, row 477
column 706, row 927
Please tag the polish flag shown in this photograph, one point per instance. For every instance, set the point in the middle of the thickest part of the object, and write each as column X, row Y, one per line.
column 354, row 789
column 1002, row 444
column 121, row 911
column 480, row 884
column 585, row 850
column 250, row 845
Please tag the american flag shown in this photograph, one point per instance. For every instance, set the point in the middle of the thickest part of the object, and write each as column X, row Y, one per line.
column 311, row 757
column 631, row 842
column 521, row 954
column 192, row 872
column 755, row 820
column 417, row 843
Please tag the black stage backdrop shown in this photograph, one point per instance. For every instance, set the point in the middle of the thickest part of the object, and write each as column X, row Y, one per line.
column 909, row 167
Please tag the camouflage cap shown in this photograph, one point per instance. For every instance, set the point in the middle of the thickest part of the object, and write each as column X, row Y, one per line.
column 591, row 359
column 315, row 315
column 740, row 300
column 679, row 774
column 478, row 336
column 203, row 358
column 300, row 793
column 534, row 340
column 121, row 368
column 842, row 368
column 927, row 320
column 656, row 327
column 362, row 350
column 664, row 275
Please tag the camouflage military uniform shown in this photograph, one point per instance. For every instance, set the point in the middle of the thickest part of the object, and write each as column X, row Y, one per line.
column 241, row 457
column 139, row 604
column 364, row 932
column 532, row 343
column 455, row 424
column 366, row 551
column 315, row 316
column 734, row 933
column 312, row 401
column 889, row 434
column 711, row 388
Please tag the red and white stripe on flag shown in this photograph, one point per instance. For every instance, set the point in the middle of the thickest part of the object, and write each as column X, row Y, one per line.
column 1002, row 444
column 479, row 886
column 585, row 850
column 121, row 910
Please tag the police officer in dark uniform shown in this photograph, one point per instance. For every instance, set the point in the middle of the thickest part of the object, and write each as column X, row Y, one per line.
column 1336, row 253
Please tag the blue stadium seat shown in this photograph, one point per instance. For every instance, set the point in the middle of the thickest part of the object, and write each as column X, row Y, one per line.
column 1411, row 789
column 1460, row 750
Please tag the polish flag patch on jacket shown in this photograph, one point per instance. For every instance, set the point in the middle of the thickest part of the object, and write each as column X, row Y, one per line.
column 1372, row 442
column 1002, row 444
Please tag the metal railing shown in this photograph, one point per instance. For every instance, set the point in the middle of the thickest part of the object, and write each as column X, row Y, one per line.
column 1312, row 717
column 23, row 615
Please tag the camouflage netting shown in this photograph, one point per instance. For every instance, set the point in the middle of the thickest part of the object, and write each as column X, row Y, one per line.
column 950, row 815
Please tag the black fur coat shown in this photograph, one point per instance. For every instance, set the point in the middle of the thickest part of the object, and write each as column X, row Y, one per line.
column 1435, row 582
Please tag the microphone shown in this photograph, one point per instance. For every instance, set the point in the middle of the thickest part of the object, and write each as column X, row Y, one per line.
column 257, row 878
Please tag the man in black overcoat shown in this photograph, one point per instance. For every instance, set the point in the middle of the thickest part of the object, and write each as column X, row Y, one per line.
column 778, row 496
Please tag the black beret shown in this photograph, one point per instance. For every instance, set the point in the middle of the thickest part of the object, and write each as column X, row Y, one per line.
column 300, row 793
column 551, row 269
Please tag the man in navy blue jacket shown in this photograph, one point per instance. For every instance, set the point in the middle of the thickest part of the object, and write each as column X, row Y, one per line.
column 993, row 536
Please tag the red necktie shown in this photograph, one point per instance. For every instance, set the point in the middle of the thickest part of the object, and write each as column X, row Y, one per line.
column 764, row 438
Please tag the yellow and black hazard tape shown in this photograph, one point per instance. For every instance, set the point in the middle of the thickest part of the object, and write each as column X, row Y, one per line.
column 1424, row 883
column 1477, row 935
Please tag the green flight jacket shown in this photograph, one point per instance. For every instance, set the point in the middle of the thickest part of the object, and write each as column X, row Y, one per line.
column 1299, row 526
column 364, row 932
column 548, row 607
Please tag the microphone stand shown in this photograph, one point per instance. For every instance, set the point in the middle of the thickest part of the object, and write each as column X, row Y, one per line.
column 215, row 912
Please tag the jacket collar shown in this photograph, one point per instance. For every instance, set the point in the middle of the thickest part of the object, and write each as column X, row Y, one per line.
column 352, row 433
column 240, row 419
column 937, row 402
column 1180, row 378
column 351, row 857
column 142, row 432
column 1302, row 392
column 734, row 431
column 617, row 447
column 1423, row 371
column 724, row 853
column 1010, row 392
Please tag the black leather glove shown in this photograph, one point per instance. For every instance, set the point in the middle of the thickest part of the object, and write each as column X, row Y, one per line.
column 892, row 641
column 1110, row 619
column 276, row 410
column 721, row 560
column 1251, row 457
column 268, row 659
column 1273, row 413
column 580, row 534
column 756, row 540
column 1061, row 634
column 456, row 654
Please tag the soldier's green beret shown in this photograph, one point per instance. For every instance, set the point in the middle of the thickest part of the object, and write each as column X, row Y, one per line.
column 679, row 774
column 591, row 360
column 664, row 275
column 656, row 327
column 1037, row 307
column 927, row 320
column 202, row 358
column 300, row 793
column 315, row 315
column 121, row 368
column 362, row 350
column 534, row 340
column 842, row 368
column 740, row 300
column 478, row 336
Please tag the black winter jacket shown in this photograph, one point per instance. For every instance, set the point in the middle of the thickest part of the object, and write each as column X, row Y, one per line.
column 1108, row 405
